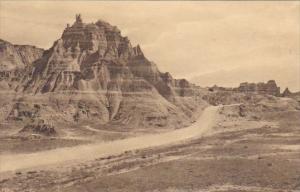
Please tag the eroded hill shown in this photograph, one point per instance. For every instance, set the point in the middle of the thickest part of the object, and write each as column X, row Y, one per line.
column 93, row 74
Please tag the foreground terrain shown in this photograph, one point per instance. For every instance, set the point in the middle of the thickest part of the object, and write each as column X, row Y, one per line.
column 100, row 149
column 238, row 154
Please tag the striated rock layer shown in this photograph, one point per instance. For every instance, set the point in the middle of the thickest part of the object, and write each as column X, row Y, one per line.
column 17, row 56
column 94, row 74
column 14, row 61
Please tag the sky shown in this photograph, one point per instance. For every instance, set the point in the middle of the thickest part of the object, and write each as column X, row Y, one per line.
column 208, row 42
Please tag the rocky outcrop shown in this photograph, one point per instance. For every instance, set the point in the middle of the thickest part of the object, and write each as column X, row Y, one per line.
column 269, row 88
column 286, row 93
column 93, row 73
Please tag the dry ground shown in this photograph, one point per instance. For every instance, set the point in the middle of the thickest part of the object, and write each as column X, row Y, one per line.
column 243, row 155
column 12, row 142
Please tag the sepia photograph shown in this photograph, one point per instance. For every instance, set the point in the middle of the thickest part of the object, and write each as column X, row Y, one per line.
column 149, row 96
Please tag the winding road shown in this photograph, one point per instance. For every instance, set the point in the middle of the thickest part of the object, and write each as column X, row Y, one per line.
column 88, row 152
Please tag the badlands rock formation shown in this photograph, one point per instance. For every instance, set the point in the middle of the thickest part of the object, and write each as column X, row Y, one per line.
column 17, row 56
column 92, row 74
column 269, row 88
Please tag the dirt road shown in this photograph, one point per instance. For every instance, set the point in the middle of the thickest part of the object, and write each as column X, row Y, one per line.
column 87, row 152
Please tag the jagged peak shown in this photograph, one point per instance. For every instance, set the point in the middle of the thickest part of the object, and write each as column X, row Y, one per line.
column 286, row 91
column 138, row 51
column 78, row 18
column 100, row 24
column 91, row 36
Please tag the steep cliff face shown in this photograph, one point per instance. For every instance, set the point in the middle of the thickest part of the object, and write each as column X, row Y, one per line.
column 93, row 73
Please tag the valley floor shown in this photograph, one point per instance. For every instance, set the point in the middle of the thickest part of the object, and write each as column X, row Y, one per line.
column 239, row 155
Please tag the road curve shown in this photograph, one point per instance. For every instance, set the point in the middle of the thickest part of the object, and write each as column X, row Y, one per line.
column 88, row 152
